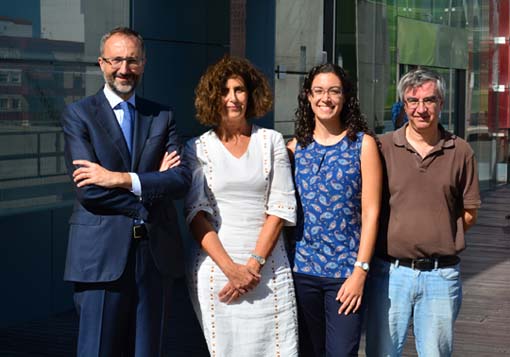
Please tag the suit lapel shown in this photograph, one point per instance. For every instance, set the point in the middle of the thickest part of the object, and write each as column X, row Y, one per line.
column 143, row 122
column 108, row 121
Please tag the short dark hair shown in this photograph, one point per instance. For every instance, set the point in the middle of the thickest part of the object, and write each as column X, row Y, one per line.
column 208, row 93
column 123, row 31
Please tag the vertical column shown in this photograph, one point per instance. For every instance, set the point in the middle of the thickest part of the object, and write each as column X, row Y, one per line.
column 238, row 27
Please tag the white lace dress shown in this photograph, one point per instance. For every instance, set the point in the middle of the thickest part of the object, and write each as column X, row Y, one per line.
column 237, row 194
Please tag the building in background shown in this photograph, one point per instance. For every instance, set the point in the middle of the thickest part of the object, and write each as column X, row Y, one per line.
column 377, row 41
column 48, row 58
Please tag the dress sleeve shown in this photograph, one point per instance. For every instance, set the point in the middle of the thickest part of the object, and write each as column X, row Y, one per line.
column 196, row 200
column 281, row 199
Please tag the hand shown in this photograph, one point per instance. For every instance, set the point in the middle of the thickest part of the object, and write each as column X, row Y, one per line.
column 169, row 161
column 229, row 294
column 351, row 292
column 90, row 173
column 242, row 277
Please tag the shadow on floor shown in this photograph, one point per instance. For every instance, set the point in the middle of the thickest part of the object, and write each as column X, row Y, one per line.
column 57, row 336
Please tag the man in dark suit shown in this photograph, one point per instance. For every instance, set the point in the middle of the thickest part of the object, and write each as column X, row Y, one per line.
column 124, row 245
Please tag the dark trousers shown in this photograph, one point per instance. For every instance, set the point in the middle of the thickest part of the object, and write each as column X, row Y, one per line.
column 322, row 331
column 125, row 317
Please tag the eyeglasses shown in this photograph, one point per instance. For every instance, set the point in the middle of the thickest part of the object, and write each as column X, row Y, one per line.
column 333, row 92
column 131, row 62
column 428, row 102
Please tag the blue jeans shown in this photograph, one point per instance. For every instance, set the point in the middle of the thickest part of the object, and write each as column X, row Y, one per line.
column 322, row 331
column 395, row 294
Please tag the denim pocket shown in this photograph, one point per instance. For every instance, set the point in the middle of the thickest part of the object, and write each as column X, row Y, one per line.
column 450, row 273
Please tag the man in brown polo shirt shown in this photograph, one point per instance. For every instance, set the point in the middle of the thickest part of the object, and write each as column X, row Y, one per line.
column 431, row 196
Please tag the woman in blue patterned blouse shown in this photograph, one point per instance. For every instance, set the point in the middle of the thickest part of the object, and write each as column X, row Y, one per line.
column 338, row 176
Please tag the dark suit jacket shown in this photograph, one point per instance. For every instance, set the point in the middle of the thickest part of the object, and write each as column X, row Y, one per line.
column 101, row 224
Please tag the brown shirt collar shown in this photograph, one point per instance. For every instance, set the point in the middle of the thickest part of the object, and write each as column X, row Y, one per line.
column 447, row 139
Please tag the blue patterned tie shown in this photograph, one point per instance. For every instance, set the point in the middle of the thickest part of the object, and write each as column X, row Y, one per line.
column 127, row 124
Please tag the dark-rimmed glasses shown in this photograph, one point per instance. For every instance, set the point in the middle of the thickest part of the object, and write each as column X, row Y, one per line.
column 428, row 102
column 116, row 62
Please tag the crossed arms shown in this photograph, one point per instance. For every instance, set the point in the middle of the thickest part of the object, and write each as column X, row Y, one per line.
column 89, row 155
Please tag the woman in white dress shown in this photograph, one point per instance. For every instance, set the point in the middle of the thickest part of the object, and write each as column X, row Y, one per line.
column 241, row 196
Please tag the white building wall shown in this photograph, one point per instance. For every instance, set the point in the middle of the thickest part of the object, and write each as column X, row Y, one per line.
column 54, row 26
column 14, row 29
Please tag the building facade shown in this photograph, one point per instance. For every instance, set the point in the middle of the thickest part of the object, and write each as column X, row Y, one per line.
column 377, row 41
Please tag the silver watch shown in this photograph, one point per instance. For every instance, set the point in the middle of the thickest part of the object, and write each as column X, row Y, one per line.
column 363, row 265
column 258, row 258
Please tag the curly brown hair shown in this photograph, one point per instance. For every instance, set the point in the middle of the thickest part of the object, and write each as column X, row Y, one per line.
column 208, row 93
column 350, row 116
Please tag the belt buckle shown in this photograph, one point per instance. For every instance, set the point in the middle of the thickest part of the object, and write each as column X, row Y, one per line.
column 423, row 264
column 137, row 232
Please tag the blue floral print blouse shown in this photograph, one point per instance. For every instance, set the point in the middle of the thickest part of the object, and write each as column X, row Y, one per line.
column 328, row 181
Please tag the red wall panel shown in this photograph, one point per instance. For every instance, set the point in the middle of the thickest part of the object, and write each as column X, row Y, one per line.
column 499, row 66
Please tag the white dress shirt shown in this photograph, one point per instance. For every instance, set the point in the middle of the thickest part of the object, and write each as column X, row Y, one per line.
column 114, row 100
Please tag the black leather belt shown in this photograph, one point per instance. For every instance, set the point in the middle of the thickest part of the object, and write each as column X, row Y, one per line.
column 426, row 264
column 140, row 232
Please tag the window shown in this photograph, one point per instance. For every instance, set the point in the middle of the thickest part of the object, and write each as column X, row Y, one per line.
column 15, row 104
column 15, row 77
column 49, row 45
column 4, row 104
column 9, row 77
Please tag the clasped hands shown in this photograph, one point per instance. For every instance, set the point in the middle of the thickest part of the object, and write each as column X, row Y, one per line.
column 90, row 173
column 241, row 279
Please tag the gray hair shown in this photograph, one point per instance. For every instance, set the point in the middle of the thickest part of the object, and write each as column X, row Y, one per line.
column 123, row 31
column 417, row 77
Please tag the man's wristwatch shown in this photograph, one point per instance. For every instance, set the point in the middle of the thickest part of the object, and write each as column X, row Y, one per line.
column 363, row 265
column 258, row 258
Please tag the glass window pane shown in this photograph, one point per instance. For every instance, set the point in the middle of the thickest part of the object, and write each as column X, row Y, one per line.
column 48, row 54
